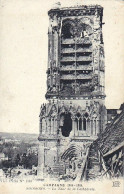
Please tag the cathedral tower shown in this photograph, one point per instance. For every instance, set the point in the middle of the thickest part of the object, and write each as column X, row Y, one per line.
column 75, row 113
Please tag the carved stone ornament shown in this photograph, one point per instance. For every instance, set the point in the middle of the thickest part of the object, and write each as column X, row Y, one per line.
column 53, row 111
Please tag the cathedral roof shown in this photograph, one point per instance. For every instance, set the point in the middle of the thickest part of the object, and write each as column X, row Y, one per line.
column 113, row 136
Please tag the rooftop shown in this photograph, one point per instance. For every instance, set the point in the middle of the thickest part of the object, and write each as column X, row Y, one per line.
column 113, row 135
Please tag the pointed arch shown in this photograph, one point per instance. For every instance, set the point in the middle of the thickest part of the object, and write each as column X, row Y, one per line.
column 86, row 115
column 53, row 111
column 72, row 152
column 67, row 28
column 62, row 109
column 79, row 121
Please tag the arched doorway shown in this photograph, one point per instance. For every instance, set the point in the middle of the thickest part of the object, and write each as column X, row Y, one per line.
column 67, row 125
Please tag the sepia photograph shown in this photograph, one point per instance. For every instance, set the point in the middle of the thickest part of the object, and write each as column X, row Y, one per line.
column 62, row 96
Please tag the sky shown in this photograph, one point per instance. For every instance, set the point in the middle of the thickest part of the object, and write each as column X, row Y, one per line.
column 23, row 59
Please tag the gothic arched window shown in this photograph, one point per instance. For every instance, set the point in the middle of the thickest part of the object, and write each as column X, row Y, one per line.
column 84, row 124
column 66, row 30
column 79, row 122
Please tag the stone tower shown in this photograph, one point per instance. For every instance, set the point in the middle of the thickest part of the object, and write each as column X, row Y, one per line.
column 75, row 113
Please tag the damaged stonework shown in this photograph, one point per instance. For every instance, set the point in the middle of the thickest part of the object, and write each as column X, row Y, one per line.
column 75, row 114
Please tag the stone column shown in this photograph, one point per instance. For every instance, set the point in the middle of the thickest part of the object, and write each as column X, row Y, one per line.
column 43, row 125
column 40, row 126
column 82, row 124
column 78, row 127
column 50, row 126
column 95, row 126
column 86, row 124
column 57, row 38
column 89, row 129
column 45, row 152
column 73, row 125
column 40, row 159
column 53, row 127
column 91, row 126
column 93, row 129
column 46, row 125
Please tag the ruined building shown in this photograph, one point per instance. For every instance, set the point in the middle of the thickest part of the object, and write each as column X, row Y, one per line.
column 75, row 114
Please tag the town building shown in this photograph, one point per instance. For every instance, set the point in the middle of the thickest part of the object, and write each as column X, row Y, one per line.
column 3, row 157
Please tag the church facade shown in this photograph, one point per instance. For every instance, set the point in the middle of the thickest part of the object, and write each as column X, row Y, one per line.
column 75, row 114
